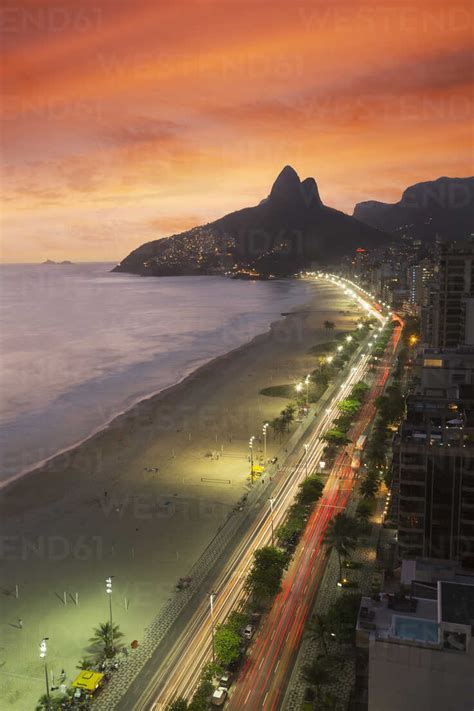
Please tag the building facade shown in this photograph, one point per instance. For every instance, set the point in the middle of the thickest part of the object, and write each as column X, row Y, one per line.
column 415, row 649
column 433, row 460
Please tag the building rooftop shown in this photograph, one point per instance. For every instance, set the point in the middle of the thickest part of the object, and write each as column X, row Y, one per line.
column 457, row 603
column 404, row 620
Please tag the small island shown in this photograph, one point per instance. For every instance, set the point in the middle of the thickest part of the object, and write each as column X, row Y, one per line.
column 51, row 261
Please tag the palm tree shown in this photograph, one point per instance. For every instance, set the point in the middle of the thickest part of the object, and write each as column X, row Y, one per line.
column 342, row 536
column 316, row 674
column 318, row 629
column 104, row 640
column 85, row 663
column 329, row 325
column 369, row 487
column 288, row 415
column 278, row 425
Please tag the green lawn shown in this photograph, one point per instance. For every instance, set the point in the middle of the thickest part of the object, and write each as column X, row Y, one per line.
column 286, row 391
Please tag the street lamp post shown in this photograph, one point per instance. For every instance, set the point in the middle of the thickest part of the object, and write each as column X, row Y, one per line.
column 264, row 430
column 108, row 590
column 306, row 447
column 271, row 500
column 43, row 650
column 251, row 441
column 211, row 602
column 306, row 382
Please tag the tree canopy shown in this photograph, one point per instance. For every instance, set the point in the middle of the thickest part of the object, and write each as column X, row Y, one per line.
column 264, row 580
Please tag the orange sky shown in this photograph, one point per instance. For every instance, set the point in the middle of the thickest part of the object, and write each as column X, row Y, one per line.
column 126, row 120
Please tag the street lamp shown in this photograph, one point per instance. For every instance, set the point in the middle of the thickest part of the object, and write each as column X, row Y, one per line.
column 271, row 500
column 211, row 602
column 43, row 650
column 306, row 382
column 108, row 590
column 251, row 441
column 264, row 431
column 306, row 447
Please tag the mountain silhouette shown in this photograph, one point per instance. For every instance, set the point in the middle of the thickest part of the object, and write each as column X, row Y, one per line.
column 442, row 207
column 287, row 231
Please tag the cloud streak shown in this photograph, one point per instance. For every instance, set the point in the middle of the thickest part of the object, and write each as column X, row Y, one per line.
column 135, row 119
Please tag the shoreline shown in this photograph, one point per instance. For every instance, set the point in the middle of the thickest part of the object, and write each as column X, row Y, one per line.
column 142, row 499
column 141, row 400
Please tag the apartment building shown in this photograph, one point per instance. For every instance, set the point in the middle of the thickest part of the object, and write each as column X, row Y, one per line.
column 415, row 647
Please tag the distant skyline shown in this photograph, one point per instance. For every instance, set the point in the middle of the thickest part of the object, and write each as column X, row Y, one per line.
column 126, row 121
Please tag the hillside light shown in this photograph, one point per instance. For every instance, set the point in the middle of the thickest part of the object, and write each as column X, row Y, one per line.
column 359, row 326
column 339, row 348
column 348, row 339
column 329, row 359
column 299, row 387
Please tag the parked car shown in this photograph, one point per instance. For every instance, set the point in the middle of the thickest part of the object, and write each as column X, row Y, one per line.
column 248, row 632
column 219, row 696
column 225, row 680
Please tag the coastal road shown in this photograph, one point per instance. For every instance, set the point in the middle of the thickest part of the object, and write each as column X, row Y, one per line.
column 179, row 676
column 264, row 678
column 179, row 673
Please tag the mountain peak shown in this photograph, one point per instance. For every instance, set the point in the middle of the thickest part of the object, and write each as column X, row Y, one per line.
column 288, row 189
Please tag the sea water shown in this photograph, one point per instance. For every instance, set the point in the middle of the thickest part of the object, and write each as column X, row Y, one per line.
column 81, row 344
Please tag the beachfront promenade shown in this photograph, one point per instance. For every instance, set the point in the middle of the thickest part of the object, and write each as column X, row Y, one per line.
column 152, row 526
column 174, row 667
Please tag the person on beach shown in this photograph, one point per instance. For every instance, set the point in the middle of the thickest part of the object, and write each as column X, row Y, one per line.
column 20, row 623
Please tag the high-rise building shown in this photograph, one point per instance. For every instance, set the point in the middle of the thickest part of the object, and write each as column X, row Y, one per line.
column 419, row 277
column 448, row 319
column 433, row 460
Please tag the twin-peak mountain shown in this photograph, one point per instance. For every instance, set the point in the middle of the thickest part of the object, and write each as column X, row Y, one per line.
column 289, row 230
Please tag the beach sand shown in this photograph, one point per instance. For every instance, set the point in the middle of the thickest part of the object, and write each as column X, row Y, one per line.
column 139, row 501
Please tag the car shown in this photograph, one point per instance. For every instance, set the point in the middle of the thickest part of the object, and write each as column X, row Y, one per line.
column 248, row 632
column 225, row 680
column 219, row 696
column 274, row 460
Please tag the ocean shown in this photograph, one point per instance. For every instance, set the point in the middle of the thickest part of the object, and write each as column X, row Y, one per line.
column 80, row 345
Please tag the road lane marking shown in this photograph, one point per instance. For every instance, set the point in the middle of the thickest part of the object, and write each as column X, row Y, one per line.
column 247, row 697
column 276, row 666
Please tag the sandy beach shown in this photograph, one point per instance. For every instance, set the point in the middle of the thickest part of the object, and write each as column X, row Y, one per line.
column 139, row 501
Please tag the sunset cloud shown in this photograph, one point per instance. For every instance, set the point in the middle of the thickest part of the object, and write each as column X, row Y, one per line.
column 130, row 120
